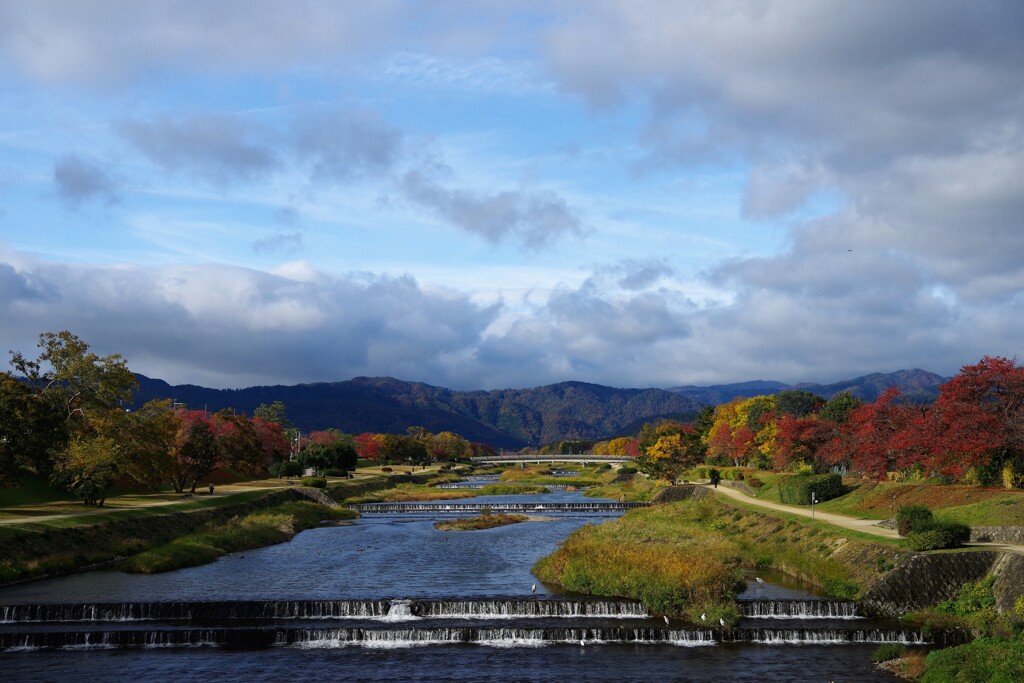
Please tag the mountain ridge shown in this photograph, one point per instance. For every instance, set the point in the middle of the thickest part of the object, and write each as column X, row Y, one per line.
column 506, row 418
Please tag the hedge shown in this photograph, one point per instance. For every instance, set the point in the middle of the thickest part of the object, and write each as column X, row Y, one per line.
column 796, row 490
column 939, row 535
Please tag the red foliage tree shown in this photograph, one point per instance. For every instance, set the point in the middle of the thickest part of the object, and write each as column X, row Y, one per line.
column 799, row 440
column 979, row 415
column 368, row 446
column 878, row 437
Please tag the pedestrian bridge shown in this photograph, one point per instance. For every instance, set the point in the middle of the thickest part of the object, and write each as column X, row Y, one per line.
column 519, row 458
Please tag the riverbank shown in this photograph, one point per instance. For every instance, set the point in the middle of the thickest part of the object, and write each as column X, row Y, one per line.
column 70, row 543
column 687, row 558
column 255, row 530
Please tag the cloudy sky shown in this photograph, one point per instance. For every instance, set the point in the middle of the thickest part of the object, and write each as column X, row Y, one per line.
column 505, row 193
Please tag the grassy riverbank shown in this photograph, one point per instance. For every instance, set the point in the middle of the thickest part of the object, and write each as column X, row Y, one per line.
column 686, row 558
column 255, row 530
column 33, row 549
column 478, row 523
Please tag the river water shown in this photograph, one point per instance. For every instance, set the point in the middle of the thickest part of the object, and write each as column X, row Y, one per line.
column 389, row 598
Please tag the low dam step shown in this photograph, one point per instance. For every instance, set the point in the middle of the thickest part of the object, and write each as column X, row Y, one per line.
column 384, row 610
column 257, row 638
column 798, row 609
column 461, row 508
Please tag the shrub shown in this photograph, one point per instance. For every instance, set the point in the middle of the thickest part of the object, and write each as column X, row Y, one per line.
column 939, row 535
column 315, row 482
column 797, row 489
column 605, row 466
column 335, row 472
column 386, row 469
column 754, row 483
column 887, row 652
column 912, row 518
column 627, row 470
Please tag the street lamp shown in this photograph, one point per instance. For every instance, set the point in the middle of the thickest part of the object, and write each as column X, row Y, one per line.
column 814, row 499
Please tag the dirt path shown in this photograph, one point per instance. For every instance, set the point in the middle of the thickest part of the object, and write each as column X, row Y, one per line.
column 868, row 526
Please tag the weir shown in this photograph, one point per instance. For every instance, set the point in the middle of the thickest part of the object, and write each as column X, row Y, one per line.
column 798, row 609
column 458, row 508
column 254, row 638
column 393, row 609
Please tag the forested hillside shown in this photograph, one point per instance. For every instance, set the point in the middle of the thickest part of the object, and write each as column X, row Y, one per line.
column 506, row 418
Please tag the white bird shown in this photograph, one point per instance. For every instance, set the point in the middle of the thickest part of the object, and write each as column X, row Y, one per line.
column 722, row 622
column 582, row 644
column 666, row 620
column 704, row 616
column 534, row 589
column 759, row 579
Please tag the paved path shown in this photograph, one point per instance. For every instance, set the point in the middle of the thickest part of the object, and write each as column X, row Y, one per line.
column 868, row 526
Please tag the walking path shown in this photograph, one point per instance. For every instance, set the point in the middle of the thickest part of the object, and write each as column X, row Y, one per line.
column 868, row 526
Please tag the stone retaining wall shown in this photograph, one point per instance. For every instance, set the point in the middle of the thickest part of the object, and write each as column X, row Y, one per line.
column 677, row 493
column 923, row 580
column 998, row 534
column 1009, row 585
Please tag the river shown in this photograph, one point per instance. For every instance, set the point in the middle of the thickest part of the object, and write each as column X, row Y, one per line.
column 389, row 598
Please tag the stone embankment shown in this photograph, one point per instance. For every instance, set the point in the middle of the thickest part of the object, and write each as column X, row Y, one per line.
column 921, row 580
column 1013, row 535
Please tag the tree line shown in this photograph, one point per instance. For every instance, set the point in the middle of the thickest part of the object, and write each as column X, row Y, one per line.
column 973, row 433
column 66, row 416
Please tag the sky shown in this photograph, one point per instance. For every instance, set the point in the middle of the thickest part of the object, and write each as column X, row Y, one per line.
column 507, row 193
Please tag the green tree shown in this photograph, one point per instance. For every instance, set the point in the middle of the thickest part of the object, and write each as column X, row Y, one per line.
column 340, row 455
column 73, row 377
column 32, row 431
column 839, row 407
column 276, row 412
column 797, row 403
column 88, row 467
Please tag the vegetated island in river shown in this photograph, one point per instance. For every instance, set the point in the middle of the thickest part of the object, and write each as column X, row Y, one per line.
column 481, row 522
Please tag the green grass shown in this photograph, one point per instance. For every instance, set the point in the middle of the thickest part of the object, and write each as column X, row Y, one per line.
column 32, row 490
column 255, row 530
column 994, row 660
column 478, row 523
column 969, row 505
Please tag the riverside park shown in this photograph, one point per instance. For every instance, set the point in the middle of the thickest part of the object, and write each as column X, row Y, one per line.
column 570, row 570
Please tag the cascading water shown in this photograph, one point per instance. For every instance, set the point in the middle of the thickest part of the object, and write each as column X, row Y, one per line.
column 798, row 609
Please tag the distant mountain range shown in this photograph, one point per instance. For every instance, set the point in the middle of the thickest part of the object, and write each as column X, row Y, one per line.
column 505, row 418
column 918, row 386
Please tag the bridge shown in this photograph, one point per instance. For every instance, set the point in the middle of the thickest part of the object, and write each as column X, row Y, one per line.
column 519, row 458
column 497, row 508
